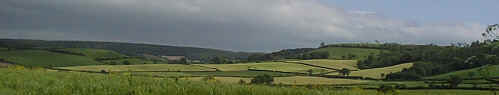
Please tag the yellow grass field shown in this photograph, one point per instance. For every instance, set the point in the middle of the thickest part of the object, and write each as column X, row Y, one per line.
column 336, row 64
column 144, row 67
column 272, row 66
column 376, row 72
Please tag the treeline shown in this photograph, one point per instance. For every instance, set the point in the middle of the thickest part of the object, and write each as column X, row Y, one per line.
column 433, row 60
column 299, row 53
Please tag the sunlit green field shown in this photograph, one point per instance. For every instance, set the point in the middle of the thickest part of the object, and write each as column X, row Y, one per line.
column 45, row 58
column 376, row 72
column 336, row 64
column 41, row 82
column 142, row 68
column 204, row 74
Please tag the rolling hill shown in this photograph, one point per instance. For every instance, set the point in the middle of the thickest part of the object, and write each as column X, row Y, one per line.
column 347, row 52
column 130, row 49
column 43, row 58
column 479, row 72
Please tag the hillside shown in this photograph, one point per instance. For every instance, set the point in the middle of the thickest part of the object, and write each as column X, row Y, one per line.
column 479, row 72
column 376, row 72
column 94, row 53
column 131, row 49
column 347, row 52
column 45, row 58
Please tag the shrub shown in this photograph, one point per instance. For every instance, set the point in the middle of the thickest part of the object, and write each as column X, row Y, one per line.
column 262, row 79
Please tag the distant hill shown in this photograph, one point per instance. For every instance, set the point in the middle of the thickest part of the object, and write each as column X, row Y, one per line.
column 347, row 52
column 130, row 49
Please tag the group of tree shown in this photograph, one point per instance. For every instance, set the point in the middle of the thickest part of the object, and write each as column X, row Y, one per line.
column 432, row 60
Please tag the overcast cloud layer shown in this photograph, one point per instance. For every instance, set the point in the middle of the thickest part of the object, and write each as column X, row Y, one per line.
column 242, row 25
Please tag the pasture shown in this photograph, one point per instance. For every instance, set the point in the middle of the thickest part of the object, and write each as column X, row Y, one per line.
column 336, row 64
column 376, row 72
column 268, row 66
column 139, row 68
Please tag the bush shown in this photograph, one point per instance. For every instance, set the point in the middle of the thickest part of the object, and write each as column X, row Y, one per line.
column 262, row 79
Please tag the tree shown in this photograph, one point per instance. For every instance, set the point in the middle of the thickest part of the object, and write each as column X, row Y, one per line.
column 310, row 72
column 219, row 60
column 126, row 62
column 262, row 79
column 454, row 81
column 344, row 72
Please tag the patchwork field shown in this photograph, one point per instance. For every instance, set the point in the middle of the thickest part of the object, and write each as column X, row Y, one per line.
column 491, row 71
column 204, row 74
column 376, row 72
column 94, row 53
column 270, row 66
column 45, row 58
column 306, row 80
column 336, row 64
column 143, row 68
column 343, row 53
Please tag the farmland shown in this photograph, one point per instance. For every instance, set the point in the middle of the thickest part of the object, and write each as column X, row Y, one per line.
column 376, row 72
column 94, row 53
column 480, row 72
column 64, row 83
column 336, row 64
column 139, row 68
column 268, row 66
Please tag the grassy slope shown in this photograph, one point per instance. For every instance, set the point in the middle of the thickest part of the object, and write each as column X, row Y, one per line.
column 204, row 74
column 493, row 69
column 338, row 52
column 305, row 80
column 94, row 53
column 336, row 64
column 376, row 72
column 273, row 66
column 134, row 61
column 45, row 58
column 144, row 67
column 40, row 82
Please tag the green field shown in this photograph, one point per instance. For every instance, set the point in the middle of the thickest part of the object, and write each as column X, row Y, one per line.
column 376, row 72
column 306, row 80
column 204, row 74
column 94, row 53
column 43, row 82
column 491, row 71
column 336, row 64
column 270, row 66
column 142, row 68
column 133, row 61
column 343, row 53
column 45, row 58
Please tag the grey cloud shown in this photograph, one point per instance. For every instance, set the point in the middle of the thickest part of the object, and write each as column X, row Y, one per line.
column 246, row 25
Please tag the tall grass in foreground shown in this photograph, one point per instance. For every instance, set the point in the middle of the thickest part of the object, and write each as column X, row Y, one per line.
column 40, row 82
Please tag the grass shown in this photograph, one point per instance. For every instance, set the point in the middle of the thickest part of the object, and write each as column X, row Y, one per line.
column 142, row 67
column 204, row 74
column 45, row 58
column 376, row 72
column 305, row 80
column 132, row 61
column 94, row 53
column 336, row 64
column 42, row 82
column 271, row 66
column 343, row 52
column 493, row 71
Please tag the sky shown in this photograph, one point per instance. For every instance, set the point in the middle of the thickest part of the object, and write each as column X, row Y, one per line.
column 248, row 25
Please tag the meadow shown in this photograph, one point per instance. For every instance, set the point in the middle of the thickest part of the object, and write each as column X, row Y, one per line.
column 17, row 81
column 94, row 53
column 139, row 68
column 335, row 64
column 480, row 72
column 268, row 66
column 377, row 72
